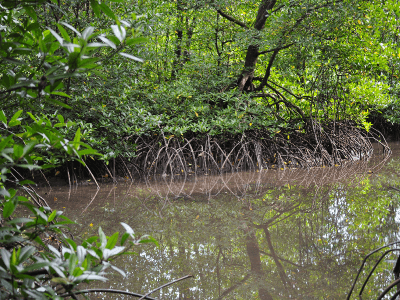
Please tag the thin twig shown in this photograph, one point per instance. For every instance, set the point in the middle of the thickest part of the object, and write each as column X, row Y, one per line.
column 108, row 291
column 167, row 284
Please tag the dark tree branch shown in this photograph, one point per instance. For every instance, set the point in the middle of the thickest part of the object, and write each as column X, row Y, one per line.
column 262, row 13
column 276, row 49
column 228, row 17
column 167, row 284
column 288, row 103
column 268, row 71
column 286, row 90
column 108, row 291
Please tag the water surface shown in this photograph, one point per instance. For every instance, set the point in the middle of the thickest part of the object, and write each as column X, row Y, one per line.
column 274, row 234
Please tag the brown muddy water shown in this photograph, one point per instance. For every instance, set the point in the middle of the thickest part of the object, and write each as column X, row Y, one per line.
column 274, row 234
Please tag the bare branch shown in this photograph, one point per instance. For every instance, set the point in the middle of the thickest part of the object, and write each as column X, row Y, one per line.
column 167, row 284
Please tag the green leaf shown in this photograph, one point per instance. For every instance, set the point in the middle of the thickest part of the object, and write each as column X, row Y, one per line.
column 103, row 239
column 78, row 135
column 60, row 118
column 32, row 116
column 136, row 40
column 148, row 239
column 72, row 243
column 107, row 11
column 37, row 266
column 4, row 143
column 107, row 41
column 3, row 117
column 131, row 56
column 124, row 237
column 26, row 252
column 5, row 256
column 64, row 33
column 96, row 7
column 28, row 148
column 60, row 94
column 31, row 12
column 8, row 209
column 57, row 103
column 18, row 150
column 52, row 216
column 55, row 34
column 112, row 241
column 15, row 116
column 88, row 152
column 73, row 29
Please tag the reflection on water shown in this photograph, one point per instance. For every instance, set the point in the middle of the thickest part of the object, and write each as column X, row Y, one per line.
column 291, row 234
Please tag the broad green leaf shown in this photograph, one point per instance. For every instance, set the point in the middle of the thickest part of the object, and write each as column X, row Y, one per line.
column 15, row 116
column 55, row 34
column 52, row 216
column 118, row 270
column 90, row 277
column 88, row 152
column 131, row 56
column 78, row 135
column 136, row 40
column 107, row 41
column 60, row 94
column 3, row 117
column 124, row 237
column 128, row 228
column 18, row 150
column 96, row 7
column 112, row 241
column 31, row 12
column 37, row 266
column 119, row 32
column 72, row 28
column 87, row 32
column 14, row 61
column 103, row 239
column 28, row 148
column 60, row 118
column 64, row 33
column 107, row 11
column 72, row 243
column 58, row 103
column 4, row 143
column 8, row 209
column 26, row 252
column 5, row 256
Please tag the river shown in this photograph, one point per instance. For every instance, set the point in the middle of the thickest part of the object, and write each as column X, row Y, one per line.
column 274, row 234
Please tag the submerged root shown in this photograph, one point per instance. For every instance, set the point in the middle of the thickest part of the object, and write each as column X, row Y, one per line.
column 316, row 146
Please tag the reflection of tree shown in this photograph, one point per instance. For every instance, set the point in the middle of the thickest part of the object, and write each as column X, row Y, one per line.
column 246, row 236
column 253, row 253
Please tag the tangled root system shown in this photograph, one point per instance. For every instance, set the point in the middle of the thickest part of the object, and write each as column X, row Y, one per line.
column 315, row 146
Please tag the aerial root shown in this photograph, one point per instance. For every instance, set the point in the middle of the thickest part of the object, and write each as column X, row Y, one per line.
column 316, row 146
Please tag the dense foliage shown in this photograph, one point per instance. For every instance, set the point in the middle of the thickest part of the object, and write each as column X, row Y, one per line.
column 111, row 72
column 38, row 259
column 210, row 67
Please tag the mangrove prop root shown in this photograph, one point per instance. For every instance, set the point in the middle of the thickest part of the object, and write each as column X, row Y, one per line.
column 315, row 146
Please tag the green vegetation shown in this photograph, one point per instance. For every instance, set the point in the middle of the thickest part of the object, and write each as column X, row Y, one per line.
column 180, row 85
column 38, row 259
column 123, row 71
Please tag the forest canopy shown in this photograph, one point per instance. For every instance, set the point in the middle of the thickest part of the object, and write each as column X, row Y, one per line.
column 135, row 75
